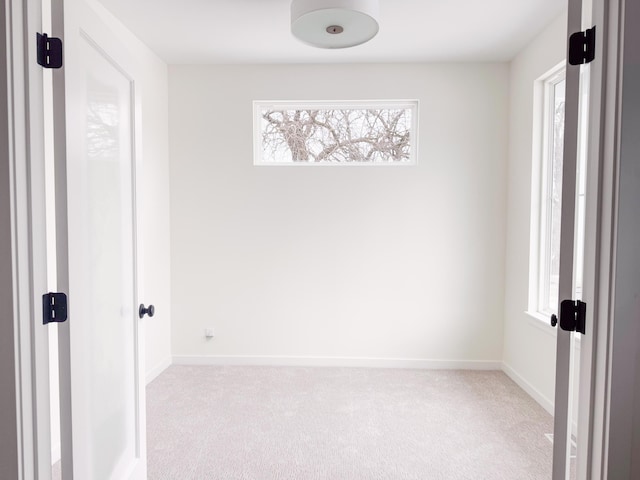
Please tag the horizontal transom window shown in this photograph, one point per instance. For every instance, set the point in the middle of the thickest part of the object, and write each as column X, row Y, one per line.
column 335, row 133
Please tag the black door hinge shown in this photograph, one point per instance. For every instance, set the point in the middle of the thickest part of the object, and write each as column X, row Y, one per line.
column 573, row 314
column 49, row 51
column 582, row 47
column 54, row 308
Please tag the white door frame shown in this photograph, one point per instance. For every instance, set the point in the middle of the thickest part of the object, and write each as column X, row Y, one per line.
column 600, row 226
column 25, row 157
column 621, row 374
column 10, row 449
column 600, row 241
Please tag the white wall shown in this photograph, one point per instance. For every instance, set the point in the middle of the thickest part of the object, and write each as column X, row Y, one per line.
column 529, row 344
column 357, row 262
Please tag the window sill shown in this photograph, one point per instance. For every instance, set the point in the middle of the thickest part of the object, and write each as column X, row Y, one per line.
column 541, row 322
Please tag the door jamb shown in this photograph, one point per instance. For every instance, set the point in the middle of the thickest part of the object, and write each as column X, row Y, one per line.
column 620, row 381
column 25, row 120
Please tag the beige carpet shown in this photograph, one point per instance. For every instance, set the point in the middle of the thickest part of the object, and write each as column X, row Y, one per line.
column 265, row 423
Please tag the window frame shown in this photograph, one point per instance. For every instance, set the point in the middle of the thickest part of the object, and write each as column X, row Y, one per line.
column 542, row 188
column 259, row 106
column 542, row 178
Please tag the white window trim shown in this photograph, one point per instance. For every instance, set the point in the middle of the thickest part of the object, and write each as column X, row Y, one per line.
column 258, row 105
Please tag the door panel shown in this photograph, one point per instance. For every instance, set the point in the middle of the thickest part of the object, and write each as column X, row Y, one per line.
column 100, row 349
column 577, row 404
column 107, row 251
column 565, row 349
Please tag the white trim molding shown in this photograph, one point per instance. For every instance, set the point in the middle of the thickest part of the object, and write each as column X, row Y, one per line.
column 533, row 392
column 154, row 372
column 11, row 424
column 309, row 361
column 26, row 449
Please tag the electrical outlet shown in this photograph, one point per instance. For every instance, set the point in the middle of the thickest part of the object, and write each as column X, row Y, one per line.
column 208, row 332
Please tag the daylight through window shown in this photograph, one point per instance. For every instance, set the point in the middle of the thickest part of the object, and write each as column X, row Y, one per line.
column 547, row 198
column 366, row 133
column 552, row 195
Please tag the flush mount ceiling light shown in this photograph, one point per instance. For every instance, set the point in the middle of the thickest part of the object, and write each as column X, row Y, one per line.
column 334, row 23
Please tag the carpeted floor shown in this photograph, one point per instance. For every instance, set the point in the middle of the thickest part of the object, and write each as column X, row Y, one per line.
column 283, row 423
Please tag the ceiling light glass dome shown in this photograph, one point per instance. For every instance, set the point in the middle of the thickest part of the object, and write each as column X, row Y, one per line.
column 334, row 23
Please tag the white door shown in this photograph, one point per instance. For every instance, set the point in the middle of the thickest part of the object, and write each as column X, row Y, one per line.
column 579, row 248
column 102, row 387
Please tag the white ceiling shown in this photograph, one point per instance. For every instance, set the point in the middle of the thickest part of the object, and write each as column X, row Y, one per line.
column 258, row 31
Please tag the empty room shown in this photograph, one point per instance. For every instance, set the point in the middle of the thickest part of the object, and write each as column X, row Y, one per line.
column 317, row 239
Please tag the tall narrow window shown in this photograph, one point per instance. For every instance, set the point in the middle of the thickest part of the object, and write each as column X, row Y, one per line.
column 581, row 187
column 552, row 195
column 547, row 196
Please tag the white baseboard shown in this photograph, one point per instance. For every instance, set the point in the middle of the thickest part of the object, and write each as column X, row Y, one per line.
column 157, row 370
column 544, row 402
column 416, row 363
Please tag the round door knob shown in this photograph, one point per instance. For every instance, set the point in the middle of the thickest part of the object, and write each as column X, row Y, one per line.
column 554, row 320
column 150, row 310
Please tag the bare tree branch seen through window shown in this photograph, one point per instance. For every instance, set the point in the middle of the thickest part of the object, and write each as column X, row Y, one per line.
column 340, row 135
